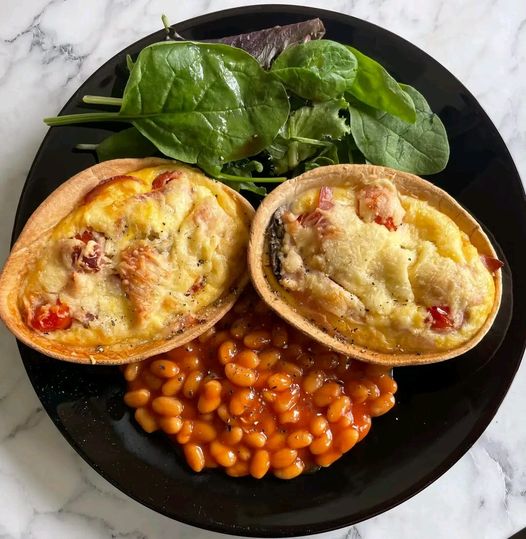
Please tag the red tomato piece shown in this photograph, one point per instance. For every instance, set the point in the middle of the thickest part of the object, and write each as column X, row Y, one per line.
column 493, row 264
column 51, row 317
column 440, row 318
column 317, row 218
column 86, row 236
column 388, row 223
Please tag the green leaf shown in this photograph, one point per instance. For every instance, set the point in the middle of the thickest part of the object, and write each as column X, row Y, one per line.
column 328, row 156
column 204, row 103
column 126, row 143
column 243, row 168
column 339, row 151
column 375, row 87
column 129, row 63
column 316, row 70
column 420, row 148
column 233, row 172
column 253, row 188
column 307, row 129
column 348, row 152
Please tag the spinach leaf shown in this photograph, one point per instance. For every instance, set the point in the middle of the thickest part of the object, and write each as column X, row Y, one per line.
column 207, row 103
column 243, row 167
column 340, row 151
column 327, row 156
column 126, row 143
column 316, row 70
column 129, row 63
column 420, row 148
column 247, row 186
column 348, row 152
column 375, row 87
column 200, row 103
column 307, row 129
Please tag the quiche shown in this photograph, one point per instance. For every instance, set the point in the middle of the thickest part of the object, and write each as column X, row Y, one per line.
column 375, row 263
column 127, row 259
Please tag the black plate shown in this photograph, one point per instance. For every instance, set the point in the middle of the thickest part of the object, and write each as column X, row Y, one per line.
column 441, row 409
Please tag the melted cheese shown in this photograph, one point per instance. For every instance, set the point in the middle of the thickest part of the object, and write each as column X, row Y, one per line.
column 375, row 285
column 168, row 254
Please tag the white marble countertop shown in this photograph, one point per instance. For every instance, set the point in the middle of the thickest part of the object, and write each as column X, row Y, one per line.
column 47, row 49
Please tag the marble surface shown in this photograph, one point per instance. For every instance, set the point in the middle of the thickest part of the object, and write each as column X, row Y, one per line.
column 47, row 49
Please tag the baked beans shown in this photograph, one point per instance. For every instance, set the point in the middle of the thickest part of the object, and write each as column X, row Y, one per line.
column 255, row 396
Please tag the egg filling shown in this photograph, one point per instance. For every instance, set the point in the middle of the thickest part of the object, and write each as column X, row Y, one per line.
column 138, row 260
column 380, row 269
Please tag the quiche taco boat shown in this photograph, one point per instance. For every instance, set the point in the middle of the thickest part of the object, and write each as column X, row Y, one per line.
column 127, row 259
column 375, row 263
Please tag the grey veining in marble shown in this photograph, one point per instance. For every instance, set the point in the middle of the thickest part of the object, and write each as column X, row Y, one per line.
column 47, row 49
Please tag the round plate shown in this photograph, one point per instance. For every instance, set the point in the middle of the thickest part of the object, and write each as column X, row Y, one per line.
column 441, row 409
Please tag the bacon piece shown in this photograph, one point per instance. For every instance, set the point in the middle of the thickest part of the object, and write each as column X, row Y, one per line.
column 49, row 317
column 142, row 269
column 162, row 179
column 439, row 317
column 325, row 198
column 88, row 257
column 493, row 264
column 317, row 218
column 313, row 218
column 88, row 197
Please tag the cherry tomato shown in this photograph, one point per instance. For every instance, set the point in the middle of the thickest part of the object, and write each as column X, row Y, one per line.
column 86, row 236
column 51, row 317
column 388, row 223
column 439, row 316
column 493, row 264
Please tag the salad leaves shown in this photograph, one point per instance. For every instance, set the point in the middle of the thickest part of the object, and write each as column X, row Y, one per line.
column 265, row 45
column 227, row 108
column 376, row 88
column 316, row 70
column 301, row 102
column 126, row 143
column 420, row 148
column 306, row 130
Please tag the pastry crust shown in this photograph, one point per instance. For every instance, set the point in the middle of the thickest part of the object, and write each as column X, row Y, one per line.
column 55, row 207
column 273, row 293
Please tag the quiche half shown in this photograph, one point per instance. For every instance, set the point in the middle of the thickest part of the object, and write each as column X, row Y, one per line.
column 126, row 259
column 375, row 263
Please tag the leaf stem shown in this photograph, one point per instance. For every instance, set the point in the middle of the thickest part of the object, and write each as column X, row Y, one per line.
column 87, row 147
column 129, row 63
column 166, row 23
column 85, row 118
column 101, row 100
column 232, row 178
column 312, row 142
